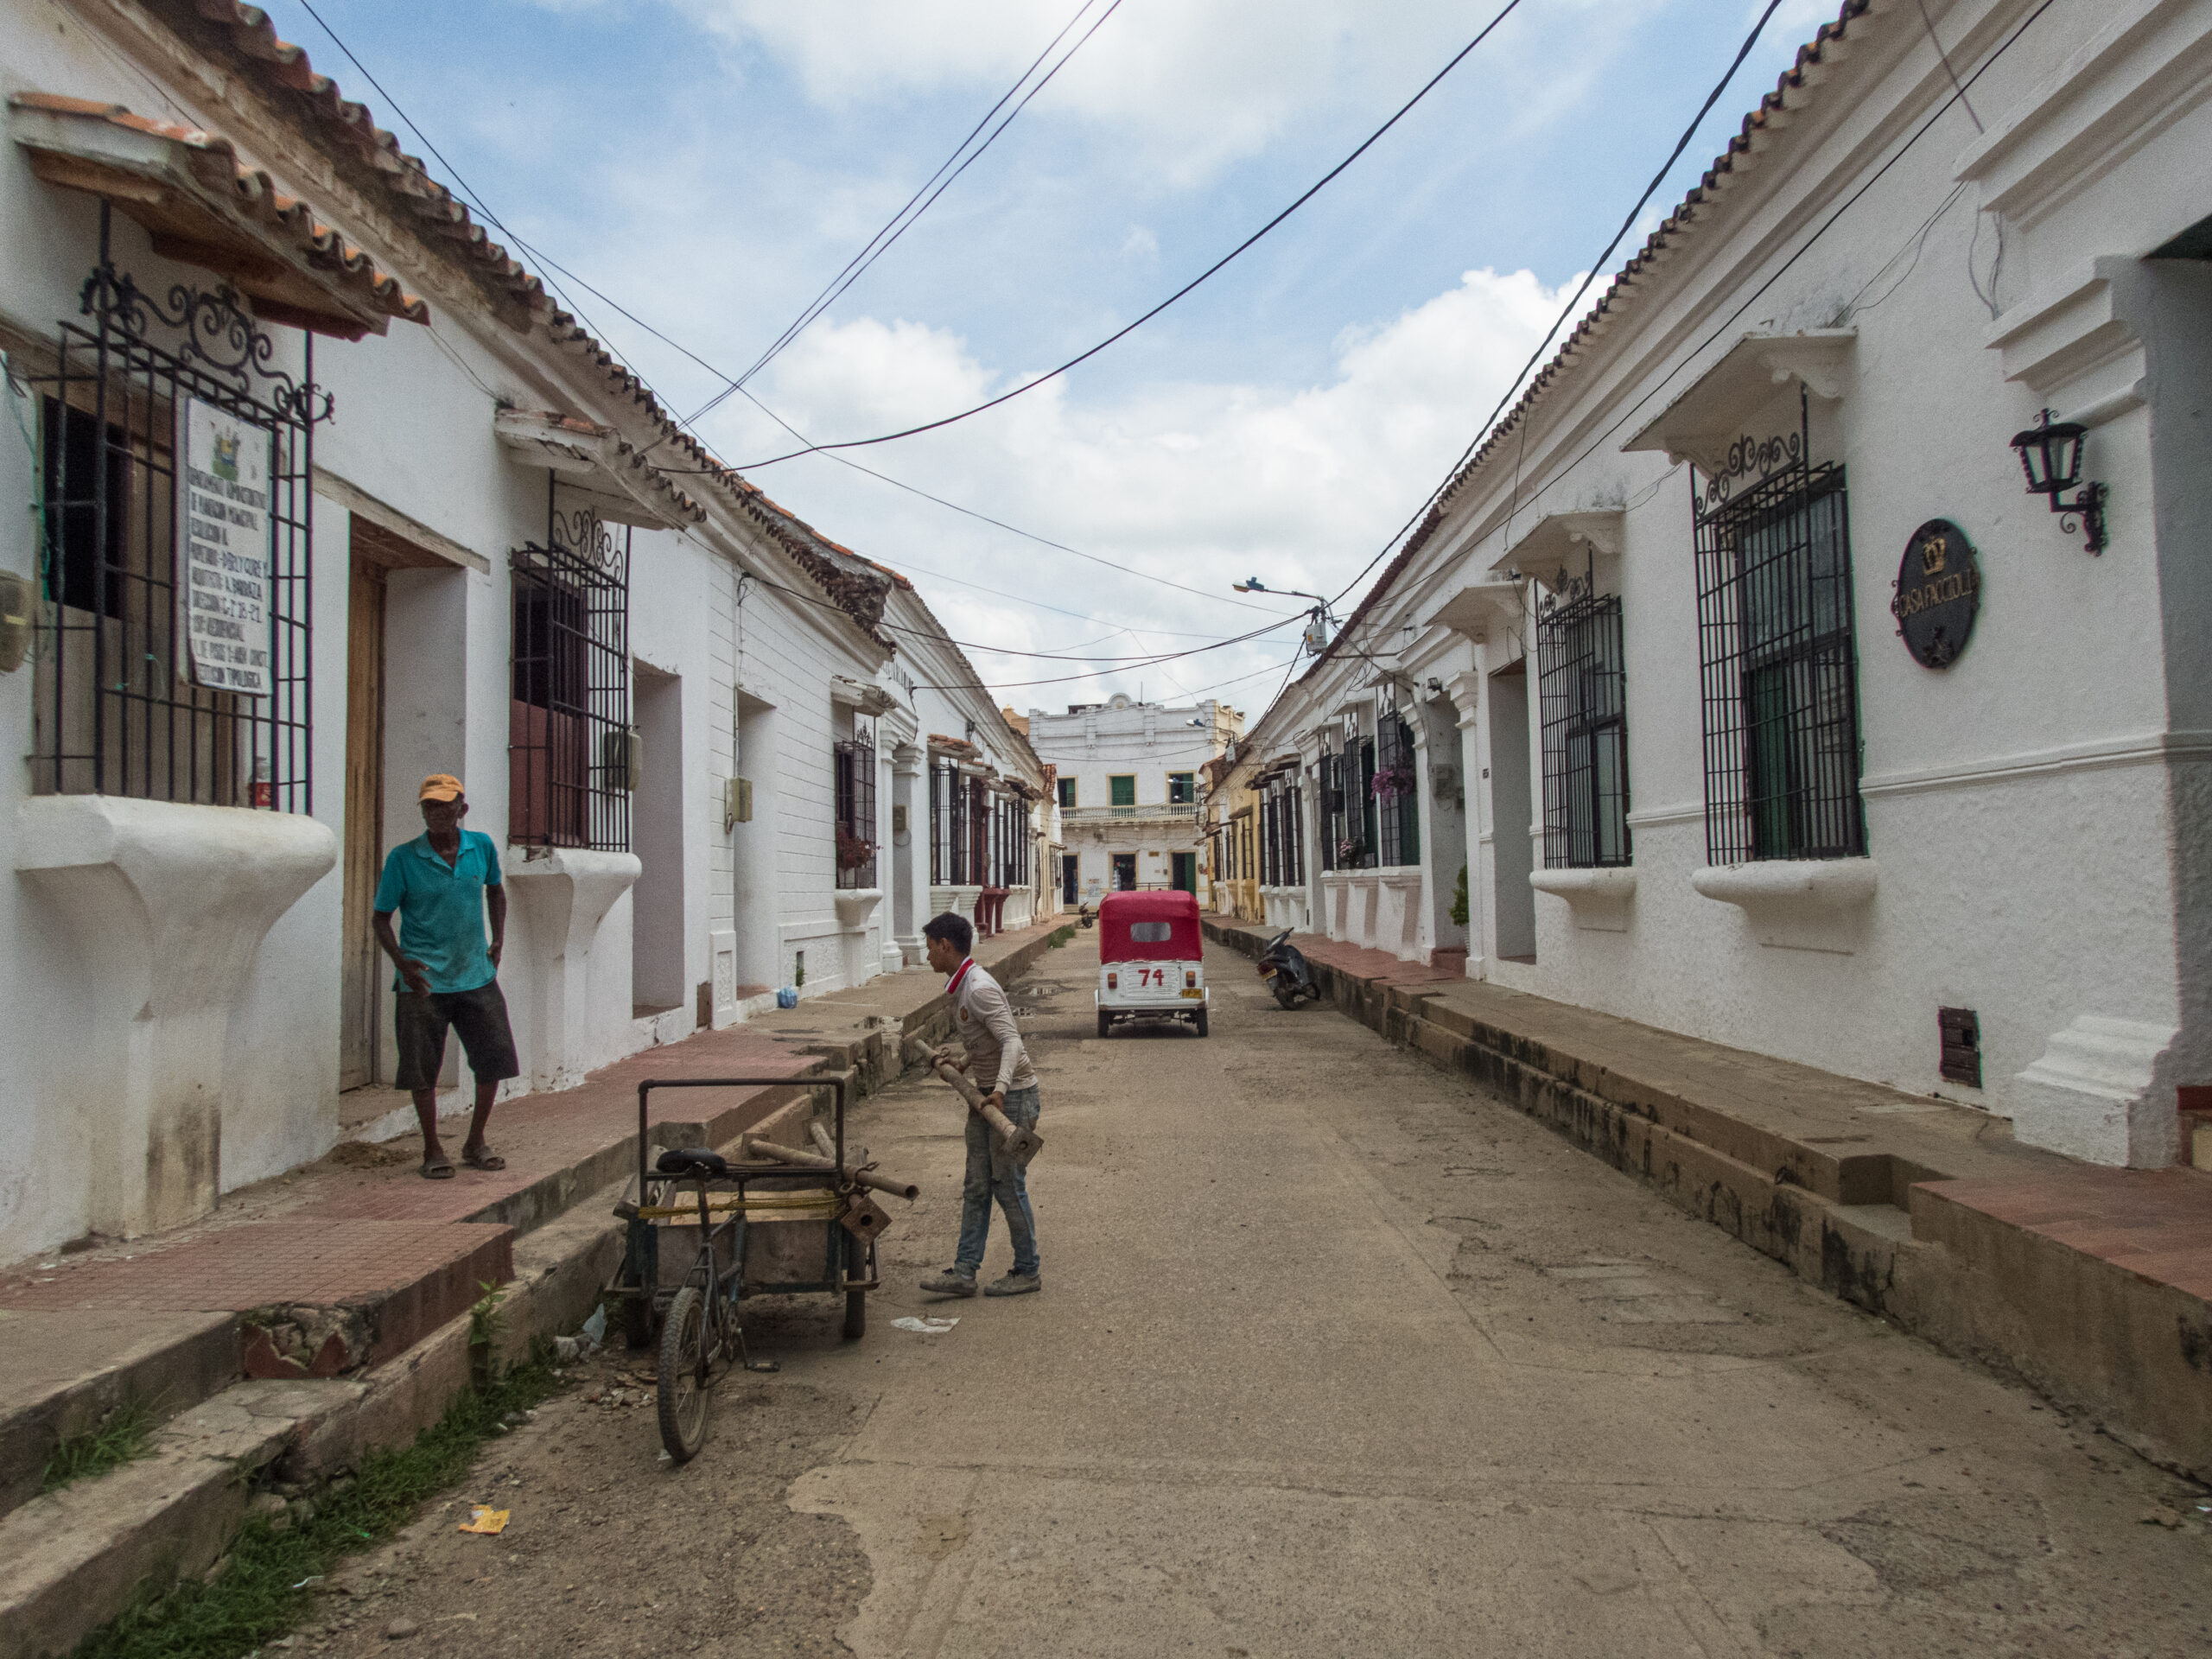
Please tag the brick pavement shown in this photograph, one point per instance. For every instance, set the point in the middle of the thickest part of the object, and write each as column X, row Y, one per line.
column 2157, row 1224
column 405, row 1255
column 1380, row 966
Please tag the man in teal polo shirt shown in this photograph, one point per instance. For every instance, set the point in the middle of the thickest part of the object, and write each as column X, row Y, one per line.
column 440, row 884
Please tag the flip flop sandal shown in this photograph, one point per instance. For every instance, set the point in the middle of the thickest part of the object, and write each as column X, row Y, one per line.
column 437, row 1169
column 480, row 1159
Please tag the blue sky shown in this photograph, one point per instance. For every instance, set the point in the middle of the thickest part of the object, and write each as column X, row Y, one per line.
column 710, row 163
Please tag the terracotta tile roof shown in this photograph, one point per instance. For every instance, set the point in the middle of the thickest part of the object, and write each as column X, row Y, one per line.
column 1790, row 94
column 244, row 38
column 226, row 210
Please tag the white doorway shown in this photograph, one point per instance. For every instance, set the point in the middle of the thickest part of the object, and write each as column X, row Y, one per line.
column 1513, row 901
column 656, row 974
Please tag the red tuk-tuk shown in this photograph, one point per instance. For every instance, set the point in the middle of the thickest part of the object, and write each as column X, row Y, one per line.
column 1151, row 958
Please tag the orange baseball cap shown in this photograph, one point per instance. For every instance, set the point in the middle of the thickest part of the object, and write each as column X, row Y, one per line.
column 440, row 786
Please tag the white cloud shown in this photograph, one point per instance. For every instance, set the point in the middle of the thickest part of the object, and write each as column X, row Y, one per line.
column 1199, row 483
column 1195, row 83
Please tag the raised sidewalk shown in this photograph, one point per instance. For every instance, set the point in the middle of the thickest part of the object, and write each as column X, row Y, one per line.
column 327, row 1310
column 2093, row 1284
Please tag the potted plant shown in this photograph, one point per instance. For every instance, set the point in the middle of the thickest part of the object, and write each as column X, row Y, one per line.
column 1393, row 781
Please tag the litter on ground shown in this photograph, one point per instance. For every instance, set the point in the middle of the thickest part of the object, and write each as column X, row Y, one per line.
column 927, row 1327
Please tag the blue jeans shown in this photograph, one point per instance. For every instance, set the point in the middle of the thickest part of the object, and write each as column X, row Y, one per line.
column 993, row 1174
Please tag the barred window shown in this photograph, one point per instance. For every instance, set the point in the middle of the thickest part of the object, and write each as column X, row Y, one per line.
column 950, row 841
column 855, row 763
column 1397, row 809
column 171, row 640
column 1009, row 862
column 1335, row 827
column 1780, row 668
column 1581, row 687
column 569, row 743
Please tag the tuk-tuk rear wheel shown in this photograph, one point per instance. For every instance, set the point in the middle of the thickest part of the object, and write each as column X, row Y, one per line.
column 1105, row 1023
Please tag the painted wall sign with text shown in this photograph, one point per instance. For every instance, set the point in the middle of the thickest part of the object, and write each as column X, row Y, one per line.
column 1938, row 594
column 225, row 545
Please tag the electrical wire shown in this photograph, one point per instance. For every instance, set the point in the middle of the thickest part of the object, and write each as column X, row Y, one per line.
column 1311, row 191
column 857, row 266
column 1567, row 311
column 1116, row 664
column 476, row 199
column 1826, row 225
column 1957, row 96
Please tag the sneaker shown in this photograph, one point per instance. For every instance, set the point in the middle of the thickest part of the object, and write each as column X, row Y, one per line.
column 1014, row 1284
column 953, row 1281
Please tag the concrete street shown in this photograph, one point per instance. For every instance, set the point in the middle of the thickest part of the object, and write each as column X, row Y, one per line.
column 1334, row 1356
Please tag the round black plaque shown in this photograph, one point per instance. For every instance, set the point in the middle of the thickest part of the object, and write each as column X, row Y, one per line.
column 1938, row 594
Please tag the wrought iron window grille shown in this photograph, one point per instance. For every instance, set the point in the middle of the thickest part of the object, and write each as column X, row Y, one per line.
column 1778, row 657
column 123, row 703
column 1330, row 780
column 1582, row 694
column 568, row 726
column 948, row 825
column 855, row 805
column 1393, row 788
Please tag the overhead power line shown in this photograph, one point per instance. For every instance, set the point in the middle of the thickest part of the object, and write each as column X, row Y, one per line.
column 1571, row 307
column 900, row 222
column 476, row 198
column 1310, row 192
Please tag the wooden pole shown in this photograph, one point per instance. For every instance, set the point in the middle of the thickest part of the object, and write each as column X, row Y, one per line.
column 749, row 1147
column 1020, row 1144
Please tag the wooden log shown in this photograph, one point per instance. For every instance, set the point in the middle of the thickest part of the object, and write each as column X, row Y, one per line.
column 828, row 1143
column 1019, row 1143
column 749, row 1147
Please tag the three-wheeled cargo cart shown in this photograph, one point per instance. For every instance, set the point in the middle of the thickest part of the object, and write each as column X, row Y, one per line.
column 788, row 1225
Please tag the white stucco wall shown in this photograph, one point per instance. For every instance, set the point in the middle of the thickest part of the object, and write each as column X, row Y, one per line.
column 413, row 429
column 2032, row 816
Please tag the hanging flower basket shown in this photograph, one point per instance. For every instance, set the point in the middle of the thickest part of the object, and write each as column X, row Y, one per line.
column 1393, row 781
column 852, row 852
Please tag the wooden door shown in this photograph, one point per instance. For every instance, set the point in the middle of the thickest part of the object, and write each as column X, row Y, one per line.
column 361, row 978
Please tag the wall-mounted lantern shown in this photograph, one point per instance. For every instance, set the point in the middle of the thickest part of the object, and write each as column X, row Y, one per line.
column 2050, row 455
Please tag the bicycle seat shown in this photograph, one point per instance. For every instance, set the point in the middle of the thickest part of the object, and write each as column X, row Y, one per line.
column 692, row 1161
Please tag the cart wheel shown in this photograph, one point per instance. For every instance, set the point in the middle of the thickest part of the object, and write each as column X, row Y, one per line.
column 682, row 1386
column 856, row 1314
column 1201, row 1024
column 1104, row 1021
column 638, row 1320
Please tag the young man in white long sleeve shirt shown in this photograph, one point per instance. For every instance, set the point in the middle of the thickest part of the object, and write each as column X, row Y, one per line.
column 1000, row 1067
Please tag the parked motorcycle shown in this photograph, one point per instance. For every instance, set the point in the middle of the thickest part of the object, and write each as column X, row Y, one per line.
column 1283, row 965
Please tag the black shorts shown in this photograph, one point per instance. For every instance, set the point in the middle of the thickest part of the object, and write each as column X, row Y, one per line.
column 478, row 1017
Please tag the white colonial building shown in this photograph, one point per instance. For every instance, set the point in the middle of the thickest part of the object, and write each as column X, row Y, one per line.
column 313, row 491
column 1128, row 790
column 1754, row 690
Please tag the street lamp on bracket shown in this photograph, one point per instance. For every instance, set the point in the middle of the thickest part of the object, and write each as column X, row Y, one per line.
column 2050, row 455
column 1319, row 625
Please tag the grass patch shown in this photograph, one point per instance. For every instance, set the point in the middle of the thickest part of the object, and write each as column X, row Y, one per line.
column 124, row 1435
column 258, row 1596
column 1060, row 937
